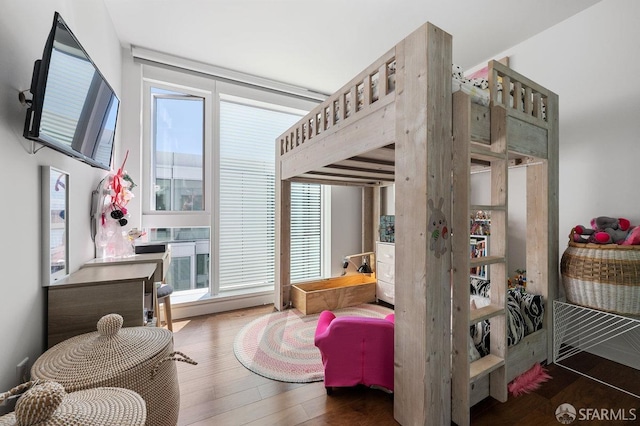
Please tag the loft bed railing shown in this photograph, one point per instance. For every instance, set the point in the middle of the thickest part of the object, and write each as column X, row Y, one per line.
column 528, row 134
column 530, row 106
column 370, row 90
column 374, row 88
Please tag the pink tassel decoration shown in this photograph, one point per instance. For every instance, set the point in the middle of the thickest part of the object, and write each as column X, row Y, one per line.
column 529, row 381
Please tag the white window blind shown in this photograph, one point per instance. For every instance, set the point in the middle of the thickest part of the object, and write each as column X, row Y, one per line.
column 306, row 231
column 246, row 234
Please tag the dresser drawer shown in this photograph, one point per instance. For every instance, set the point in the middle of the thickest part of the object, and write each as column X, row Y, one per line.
column 385, row 253
column 385, row 272
column 385, row 291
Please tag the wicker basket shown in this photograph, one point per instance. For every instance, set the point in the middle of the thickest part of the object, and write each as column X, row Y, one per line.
column 604, row 277
column 48, row 404
column 134, row 358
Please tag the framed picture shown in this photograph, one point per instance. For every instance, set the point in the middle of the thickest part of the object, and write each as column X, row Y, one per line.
column 387, row 228
column 55, row 224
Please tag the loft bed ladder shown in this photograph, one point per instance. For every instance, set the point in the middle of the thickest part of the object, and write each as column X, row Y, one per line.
column 495, row 156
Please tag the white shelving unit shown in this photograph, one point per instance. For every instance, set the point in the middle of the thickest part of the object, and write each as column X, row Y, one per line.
column 579, row 329
column 479, row 247
column 385, row 272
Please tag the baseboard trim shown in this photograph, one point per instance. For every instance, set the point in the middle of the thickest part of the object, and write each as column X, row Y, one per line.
column 215, row 305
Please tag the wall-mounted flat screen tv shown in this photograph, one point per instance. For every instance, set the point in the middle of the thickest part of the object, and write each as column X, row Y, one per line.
column 73, row 109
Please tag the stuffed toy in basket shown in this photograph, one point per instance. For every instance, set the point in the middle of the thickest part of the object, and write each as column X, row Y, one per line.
column 602, row 276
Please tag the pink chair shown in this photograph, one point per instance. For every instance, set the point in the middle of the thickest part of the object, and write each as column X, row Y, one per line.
column 356, row 350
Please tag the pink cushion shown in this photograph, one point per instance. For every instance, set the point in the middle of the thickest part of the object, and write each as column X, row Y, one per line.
column 356, row 350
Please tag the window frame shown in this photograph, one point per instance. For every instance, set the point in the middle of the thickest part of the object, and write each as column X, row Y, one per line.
column 212, row 90
column 197, row 86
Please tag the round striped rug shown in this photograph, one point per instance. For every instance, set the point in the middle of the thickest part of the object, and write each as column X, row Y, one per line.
column 280, row 346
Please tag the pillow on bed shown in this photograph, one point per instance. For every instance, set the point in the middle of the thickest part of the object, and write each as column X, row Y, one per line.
column 477, row 302
column 479, row 332
column 457, row 72
column 516, row 325
column 481, row 73
column 473, row 352
column 479, row 286
column 531, row 307
column 480, row 335
column 479, row 78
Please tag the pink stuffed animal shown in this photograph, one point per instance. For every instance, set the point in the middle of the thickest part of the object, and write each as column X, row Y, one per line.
column 601, row 223
column 633, row 238
column 582, row 234
column 607, row 230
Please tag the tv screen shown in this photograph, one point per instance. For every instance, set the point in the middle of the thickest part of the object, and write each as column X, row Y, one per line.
column 73, row 109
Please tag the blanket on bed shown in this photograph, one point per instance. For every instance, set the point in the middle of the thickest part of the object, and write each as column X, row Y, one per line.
column 525, row 312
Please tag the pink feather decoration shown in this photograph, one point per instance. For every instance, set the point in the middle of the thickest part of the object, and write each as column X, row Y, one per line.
column 529, row 381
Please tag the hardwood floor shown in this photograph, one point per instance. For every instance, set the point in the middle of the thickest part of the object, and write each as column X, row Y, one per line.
column 220, row 391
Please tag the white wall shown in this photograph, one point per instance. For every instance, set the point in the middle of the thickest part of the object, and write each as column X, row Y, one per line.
column 591, row 61
column 346, row 225
column 24, row 26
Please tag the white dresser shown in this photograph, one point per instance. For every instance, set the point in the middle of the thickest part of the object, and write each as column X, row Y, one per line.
column 385, row 272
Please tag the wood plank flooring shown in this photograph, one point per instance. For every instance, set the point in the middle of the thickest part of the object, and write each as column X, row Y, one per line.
column 220, row 391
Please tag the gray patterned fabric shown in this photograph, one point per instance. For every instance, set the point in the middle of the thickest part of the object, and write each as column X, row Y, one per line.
column 480, row 336
column 532, row 309
column 515, row 321
column 525, row 314
column 479, row 286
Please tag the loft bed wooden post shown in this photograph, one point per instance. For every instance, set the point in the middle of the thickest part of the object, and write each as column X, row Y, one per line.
column 282, row 278
column 553, row 220
column 461, row 168
column 370, row 217
column 423, row 185
column 498, row 248
column 543, row 223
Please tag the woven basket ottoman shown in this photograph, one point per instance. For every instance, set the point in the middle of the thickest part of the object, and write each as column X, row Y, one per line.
column 135, row 358
column 48, row 404
column 604, row 277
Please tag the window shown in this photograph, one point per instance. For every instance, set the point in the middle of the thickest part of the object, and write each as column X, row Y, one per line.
column 247, row 200
column 189, row 269
column 247, row 194
column 306, row 231
column 178, row 149
column 210, row 161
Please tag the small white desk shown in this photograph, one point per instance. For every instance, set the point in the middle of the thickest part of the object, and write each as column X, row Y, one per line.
column 78, row 301
column 161, row 260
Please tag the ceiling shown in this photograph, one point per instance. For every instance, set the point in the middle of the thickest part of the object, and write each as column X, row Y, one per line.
column 322, row 44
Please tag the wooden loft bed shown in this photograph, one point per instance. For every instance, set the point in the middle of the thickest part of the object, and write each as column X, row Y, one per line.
column 395, row 122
